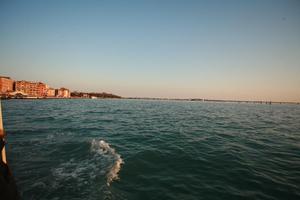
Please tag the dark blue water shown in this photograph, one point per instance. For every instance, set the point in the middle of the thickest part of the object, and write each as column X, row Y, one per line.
column 131, row 149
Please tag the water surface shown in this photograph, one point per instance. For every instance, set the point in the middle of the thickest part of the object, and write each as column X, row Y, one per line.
column 135, row 149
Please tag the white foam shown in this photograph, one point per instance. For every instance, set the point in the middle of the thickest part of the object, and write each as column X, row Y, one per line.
column 103, row 148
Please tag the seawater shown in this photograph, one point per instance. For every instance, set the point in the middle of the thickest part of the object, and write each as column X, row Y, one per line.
column 140, row 149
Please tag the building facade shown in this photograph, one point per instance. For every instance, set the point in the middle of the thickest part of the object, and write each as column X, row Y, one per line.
column 63, row 93
column 6, row 84
column 32, row 89
column 50, row 92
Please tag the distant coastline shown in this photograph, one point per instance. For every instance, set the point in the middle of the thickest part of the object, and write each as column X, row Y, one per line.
column 11, row 89
column 213, row 100
column 163, row 99
column 16, row 89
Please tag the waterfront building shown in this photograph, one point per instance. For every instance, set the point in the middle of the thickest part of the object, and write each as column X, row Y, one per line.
column 32, row 89
column 50, row 92
column 6, row 84
column 63, row 93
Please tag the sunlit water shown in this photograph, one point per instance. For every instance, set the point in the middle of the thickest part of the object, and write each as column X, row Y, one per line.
column 132, row 149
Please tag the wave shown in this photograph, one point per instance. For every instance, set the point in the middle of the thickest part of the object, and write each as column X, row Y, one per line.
column 103, row 148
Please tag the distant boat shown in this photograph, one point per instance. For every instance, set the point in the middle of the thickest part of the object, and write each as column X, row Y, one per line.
column 93, row 97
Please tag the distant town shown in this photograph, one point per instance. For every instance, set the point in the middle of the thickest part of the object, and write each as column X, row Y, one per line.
column 16, row 89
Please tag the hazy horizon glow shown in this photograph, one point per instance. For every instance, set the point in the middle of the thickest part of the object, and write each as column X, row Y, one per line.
column 246, row 50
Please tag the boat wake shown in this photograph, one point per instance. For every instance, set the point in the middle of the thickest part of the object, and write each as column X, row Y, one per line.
column 103, row 148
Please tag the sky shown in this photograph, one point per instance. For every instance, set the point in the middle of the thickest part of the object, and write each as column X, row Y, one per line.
column 215, row 49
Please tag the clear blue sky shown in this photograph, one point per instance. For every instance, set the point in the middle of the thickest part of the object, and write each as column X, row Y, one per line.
column 202, row 49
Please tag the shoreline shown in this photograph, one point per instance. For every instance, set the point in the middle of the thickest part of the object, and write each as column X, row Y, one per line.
column 164, row 99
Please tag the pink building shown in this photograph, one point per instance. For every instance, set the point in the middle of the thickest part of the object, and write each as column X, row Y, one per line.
column 32, row 89
column 6, row 84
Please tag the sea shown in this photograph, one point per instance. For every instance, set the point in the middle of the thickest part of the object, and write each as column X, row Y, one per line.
column 94, row 149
